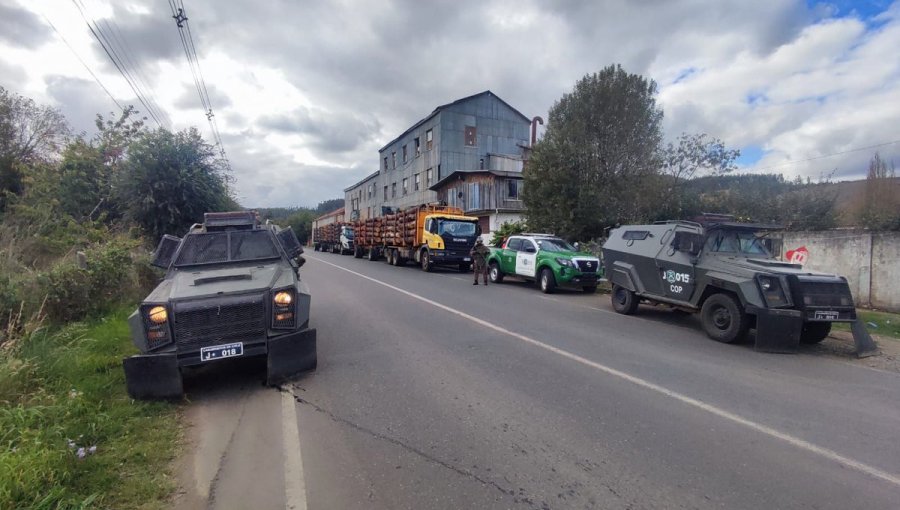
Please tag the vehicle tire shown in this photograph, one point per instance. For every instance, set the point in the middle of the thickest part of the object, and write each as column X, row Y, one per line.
column 495, row 273
column 624, row 301
column 589, row 289
column 427, row 266
column 724, row 319
column 389, row 257
column 546, row 281
column 398, row 260
column 357, row 252
column 814, row 332
column 373, row 254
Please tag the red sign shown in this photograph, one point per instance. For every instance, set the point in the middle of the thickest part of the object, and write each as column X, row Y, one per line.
column 798, row 256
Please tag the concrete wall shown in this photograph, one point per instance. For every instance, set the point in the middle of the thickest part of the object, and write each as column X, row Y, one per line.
column 869, row 260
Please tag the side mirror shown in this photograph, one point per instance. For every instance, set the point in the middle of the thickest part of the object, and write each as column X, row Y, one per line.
column 477, row 230
column 165, row 251
column 530, row 249
column 577, row 246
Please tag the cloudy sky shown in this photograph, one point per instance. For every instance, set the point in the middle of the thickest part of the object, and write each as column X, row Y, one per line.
column 305, row 93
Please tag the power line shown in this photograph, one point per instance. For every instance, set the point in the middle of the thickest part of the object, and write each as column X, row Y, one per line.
column 113, row 56
column 190, row 51
column 102, row 86
column 828, row 155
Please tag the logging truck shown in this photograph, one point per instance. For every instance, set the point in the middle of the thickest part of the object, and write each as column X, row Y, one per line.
column 428, row 235
column 334, row 237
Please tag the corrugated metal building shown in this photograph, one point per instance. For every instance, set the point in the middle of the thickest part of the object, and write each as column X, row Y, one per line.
column 467, row 139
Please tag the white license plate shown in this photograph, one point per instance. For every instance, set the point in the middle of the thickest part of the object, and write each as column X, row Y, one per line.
column 828, row 315
column 221, row 351
column 467, row 259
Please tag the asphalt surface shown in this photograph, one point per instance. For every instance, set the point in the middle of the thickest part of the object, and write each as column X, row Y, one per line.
column 434, row 393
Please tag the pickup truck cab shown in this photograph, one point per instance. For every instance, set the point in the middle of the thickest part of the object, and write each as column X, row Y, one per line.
column 545, row 259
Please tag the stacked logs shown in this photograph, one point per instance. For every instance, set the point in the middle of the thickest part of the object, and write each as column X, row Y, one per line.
column 330, row 233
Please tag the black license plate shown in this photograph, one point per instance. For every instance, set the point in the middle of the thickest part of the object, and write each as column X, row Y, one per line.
column 827, row 315
column 221, row 351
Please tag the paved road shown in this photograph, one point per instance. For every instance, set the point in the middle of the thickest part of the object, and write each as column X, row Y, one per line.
column 433, row 393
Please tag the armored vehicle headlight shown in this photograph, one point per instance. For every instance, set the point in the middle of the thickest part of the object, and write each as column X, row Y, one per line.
column 283, row 298
column 774, row 292
column 158, row 315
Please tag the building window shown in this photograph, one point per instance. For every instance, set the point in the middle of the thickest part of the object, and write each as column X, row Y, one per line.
column 405, row 185
column 394, row 159
column 428, row 176
column 385, row 164
column 429, row 140
column 470, row 136
column 385, row 191
column 405, row 156
column 418, row 146
column 513, row 186
column 393, row 190
column 417, row 182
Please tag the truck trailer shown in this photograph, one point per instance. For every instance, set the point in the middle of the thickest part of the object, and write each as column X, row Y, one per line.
column 429, row 235
column 334, row 237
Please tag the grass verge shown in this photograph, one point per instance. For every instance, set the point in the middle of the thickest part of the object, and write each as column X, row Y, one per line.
column 886, row 324
column 64, row 390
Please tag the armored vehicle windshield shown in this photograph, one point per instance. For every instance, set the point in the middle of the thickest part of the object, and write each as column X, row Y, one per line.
column 219, row 247
column 744, row 242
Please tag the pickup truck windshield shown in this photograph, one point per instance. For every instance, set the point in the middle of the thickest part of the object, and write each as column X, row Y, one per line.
column 554, row 245
column 745, row 243
column 219, row 247
column 456, row 228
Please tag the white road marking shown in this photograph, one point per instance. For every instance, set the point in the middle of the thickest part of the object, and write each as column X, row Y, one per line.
column 294, row 481
column 717, row 411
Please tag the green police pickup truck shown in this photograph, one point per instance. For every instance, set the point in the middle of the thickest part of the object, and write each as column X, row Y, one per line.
column 545, row 259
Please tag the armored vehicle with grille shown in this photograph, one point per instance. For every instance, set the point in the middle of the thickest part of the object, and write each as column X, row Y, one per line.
column 231, row 289
column 725, row 271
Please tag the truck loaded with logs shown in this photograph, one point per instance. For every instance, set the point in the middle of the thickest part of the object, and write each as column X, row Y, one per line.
column 334, row 237
column 429, row 235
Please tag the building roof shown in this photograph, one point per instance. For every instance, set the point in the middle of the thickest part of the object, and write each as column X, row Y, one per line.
column 373, row 174
column 459, row 173
column 332, row 213
column 444, row 107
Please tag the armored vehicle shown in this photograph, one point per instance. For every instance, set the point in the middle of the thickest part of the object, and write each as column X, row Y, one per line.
column 725, row 271
column 546, row 259
column 231, row 289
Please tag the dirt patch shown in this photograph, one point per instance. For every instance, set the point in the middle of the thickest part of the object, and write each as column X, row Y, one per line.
column 840, row 344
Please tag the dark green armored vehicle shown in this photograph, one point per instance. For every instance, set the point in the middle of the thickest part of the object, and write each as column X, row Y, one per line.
column 231, row 290
column 725, row 271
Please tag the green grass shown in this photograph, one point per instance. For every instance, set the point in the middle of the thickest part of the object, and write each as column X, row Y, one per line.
column 68, row 385
column 887, row 324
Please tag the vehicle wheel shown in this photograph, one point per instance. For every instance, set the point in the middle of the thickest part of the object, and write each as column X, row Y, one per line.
column 495, row 273
column 373, row 254
column 814, row 332
column 624, row 301
column 398, row 260
column 589, row 289
column 723, row 318
column 389, row 257
column 427, row 266
column 357, row 252
column 547, row 282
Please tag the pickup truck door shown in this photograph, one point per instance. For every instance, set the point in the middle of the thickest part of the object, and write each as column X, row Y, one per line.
column 526, row 258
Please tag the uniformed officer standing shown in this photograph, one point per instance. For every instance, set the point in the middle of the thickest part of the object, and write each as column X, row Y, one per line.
column 479, row 254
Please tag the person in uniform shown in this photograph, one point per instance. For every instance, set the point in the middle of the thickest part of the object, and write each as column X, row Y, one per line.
column 479, row 254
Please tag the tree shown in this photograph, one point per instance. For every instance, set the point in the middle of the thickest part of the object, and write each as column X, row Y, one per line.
column 694, row 153
column 601, row 145
column 170, row 179
column 29, row 134
column 329, row 205
column 301, row 223
column 882, row 208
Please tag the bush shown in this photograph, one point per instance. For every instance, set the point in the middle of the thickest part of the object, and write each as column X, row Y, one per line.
column 508, row 228
column 109, row 277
